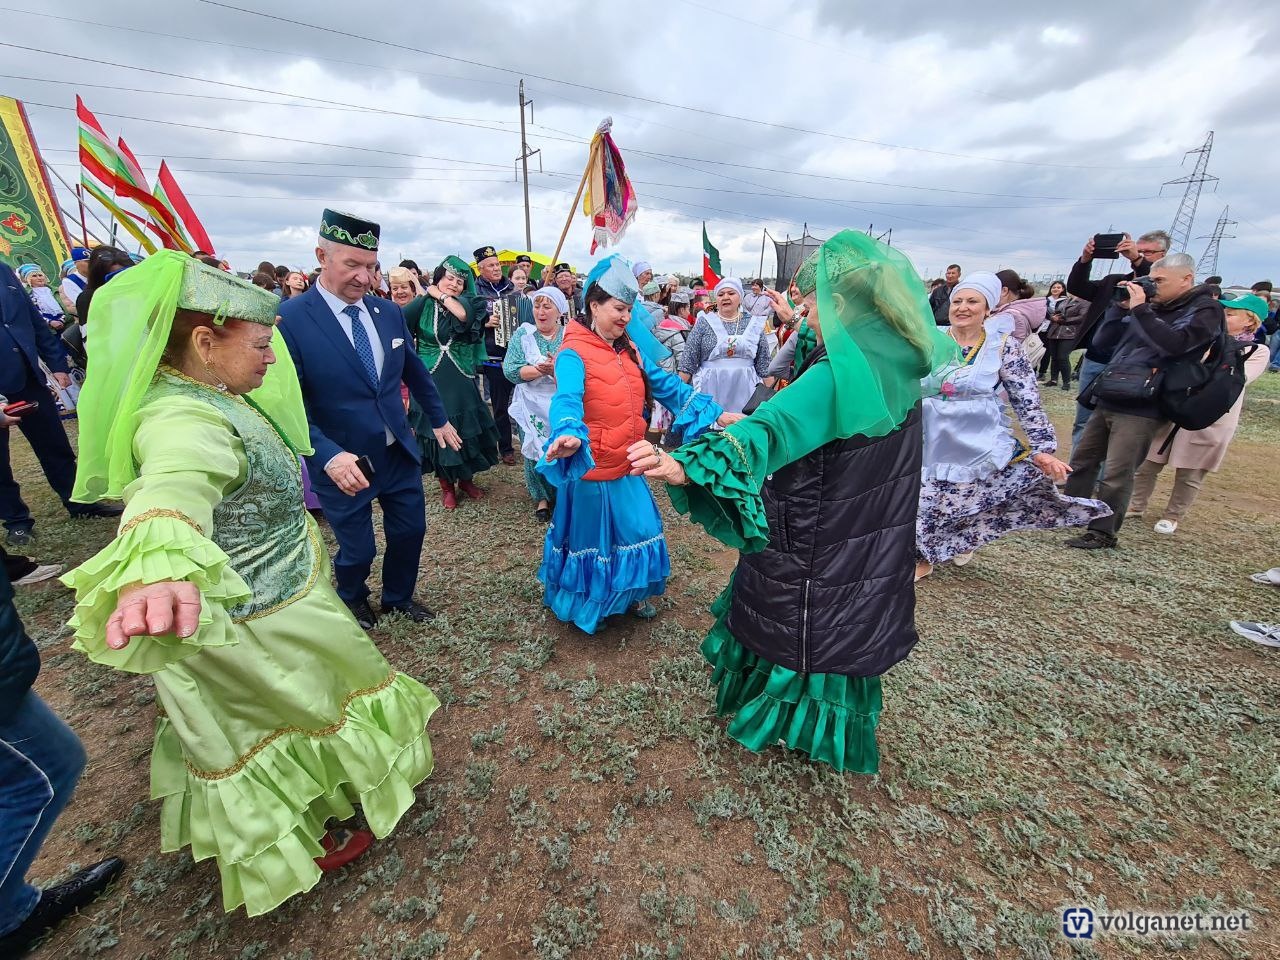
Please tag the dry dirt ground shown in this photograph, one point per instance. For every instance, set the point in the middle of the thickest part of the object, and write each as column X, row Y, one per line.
column 1074, row 728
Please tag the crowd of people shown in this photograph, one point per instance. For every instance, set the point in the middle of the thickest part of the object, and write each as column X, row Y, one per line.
column 846, row 437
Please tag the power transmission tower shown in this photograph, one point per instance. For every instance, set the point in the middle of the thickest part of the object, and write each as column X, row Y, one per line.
column 1186, row 215
column 523, row 160
column 1208, row 262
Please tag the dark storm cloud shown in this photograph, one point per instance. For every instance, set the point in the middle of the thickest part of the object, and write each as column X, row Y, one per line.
column 1080, row 87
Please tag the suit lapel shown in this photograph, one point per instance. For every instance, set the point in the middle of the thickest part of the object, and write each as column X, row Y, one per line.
column 382, row 324
column 327, row 323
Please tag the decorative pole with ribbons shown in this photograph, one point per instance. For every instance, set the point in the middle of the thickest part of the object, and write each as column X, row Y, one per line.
column 610, row 199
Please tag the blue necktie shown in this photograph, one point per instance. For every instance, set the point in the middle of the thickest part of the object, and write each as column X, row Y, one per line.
column 360, row 340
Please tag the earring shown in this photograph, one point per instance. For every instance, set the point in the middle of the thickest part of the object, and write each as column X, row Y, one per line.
column 219, row 385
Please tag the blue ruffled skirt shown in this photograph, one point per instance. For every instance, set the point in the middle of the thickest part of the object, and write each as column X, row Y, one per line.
column 604, row 551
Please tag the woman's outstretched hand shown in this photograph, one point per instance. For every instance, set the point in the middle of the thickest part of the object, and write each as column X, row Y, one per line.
column 652, row 461
column 1051, row 467
column 154, row 610
column 562, row 448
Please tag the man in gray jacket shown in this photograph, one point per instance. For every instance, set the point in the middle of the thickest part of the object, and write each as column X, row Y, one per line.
column 1181, row 319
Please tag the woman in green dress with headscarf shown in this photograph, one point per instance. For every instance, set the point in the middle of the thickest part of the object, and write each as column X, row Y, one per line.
column 818, row 489
column 448, row 325
column 276, row 711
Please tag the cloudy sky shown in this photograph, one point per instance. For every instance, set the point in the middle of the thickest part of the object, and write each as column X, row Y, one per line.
column 1002, row 137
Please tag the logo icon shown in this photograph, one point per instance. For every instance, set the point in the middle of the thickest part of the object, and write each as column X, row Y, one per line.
column 1077, row 923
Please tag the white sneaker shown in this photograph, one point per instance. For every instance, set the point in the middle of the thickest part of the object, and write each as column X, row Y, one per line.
column 39, row 575
column 1267, row 634
column 1166, row 526
column 1269, row 577
column 960, row 559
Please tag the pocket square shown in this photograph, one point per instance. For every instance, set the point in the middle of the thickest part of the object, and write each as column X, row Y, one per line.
column 397, row 342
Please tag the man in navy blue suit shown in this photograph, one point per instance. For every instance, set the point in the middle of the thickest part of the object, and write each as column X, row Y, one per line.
column 352, row 351
column 25, row 339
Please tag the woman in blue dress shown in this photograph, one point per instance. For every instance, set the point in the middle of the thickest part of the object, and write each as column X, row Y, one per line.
column 605, row 552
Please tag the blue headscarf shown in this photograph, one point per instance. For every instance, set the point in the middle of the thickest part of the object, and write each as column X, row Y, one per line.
column 616, row 277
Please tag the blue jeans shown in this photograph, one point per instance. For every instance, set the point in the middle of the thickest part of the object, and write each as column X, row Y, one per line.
column 1275, row 351
column 40, row 761
column 1089, row 370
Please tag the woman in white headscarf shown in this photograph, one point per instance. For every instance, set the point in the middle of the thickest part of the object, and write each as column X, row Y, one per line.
column 726, row 353
column 978, row 480
column 530, row 365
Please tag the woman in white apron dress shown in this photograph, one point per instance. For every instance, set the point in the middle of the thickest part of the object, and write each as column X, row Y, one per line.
column 726, row 354
column 529, row 364
column 978, row 480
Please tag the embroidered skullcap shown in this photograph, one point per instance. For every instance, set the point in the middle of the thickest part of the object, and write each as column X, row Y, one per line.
column 349, row 230
column 224, row 296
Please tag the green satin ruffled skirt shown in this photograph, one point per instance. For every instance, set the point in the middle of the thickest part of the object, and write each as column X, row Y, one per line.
column 829, row 717
column 261, row 743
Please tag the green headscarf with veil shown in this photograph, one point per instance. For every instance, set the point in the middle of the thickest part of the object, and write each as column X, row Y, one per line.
column 132, row 319
column 877, row 328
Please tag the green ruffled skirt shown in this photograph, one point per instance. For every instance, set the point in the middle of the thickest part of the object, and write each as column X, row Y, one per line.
column 268, row 727
column 828, row 716
column 470, row 416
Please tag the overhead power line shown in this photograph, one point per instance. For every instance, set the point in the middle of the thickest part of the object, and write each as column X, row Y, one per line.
column 347, row 34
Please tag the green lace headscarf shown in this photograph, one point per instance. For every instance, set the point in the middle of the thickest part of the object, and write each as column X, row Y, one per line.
column 877, row 328
column 132, row 319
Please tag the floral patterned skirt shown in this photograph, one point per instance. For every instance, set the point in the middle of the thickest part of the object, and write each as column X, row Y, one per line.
column 959, row 517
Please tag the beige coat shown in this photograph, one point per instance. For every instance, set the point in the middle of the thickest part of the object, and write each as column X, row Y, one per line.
column 1205, row 449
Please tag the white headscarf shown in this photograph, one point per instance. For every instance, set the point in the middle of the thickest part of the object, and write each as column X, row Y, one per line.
column 987, row 284
column 733, row 282
column 554, row 294
column 641, row 266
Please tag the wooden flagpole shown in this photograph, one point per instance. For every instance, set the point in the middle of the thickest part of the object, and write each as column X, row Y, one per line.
column 591, row 159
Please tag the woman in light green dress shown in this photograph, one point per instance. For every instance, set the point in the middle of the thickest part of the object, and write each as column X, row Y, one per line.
column 276, row 712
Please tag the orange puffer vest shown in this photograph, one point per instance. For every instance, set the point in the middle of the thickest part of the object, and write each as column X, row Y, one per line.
column 612, row 403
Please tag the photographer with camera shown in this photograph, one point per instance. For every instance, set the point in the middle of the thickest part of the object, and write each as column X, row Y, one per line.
column 1143, row 252
column 1153, row 320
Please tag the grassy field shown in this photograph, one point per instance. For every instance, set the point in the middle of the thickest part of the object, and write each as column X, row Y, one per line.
column 1074, row 728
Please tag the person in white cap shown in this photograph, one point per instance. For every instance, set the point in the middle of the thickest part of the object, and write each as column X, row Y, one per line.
column 726, row 354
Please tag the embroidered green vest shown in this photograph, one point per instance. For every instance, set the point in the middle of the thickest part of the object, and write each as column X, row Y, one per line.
column 261, row 525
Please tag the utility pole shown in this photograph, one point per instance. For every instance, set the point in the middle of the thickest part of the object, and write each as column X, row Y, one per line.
column 1208, row 262
column 525, row 154
column 1186, row 215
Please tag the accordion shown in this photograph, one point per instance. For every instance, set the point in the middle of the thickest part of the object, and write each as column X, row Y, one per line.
column 506, row 310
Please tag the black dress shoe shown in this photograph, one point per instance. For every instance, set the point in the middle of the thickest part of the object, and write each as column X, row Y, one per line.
column 364, row 614
column 543, row 514
column 58, row 903
column 95, row 511
column 1094, row 540
column 413, row 610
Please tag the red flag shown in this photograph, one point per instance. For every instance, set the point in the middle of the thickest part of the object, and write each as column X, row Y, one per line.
column 169, row 193
column 132, row 183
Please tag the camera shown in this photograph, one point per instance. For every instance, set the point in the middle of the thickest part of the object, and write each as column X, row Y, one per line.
column 1121, row 293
